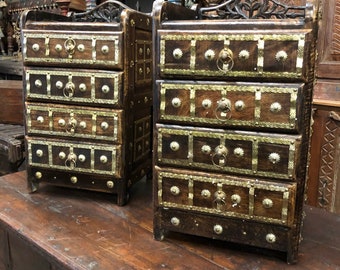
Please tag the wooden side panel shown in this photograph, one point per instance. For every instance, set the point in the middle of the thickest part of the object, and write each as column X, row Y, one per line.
column 11, row 94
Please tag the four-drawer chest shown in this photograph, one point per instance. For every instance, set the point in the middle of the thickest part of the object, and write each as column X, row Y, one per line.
column 88, row 98
column 233, row 85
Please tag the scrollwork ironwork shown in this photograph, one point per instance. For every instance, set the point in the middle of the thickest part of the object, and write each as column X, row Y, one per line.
column 251, row 9
column 108, row 12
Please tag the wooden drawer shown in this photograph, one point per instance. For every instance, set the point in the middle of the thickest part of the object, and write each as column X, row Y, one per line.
column 247, row 105
column 72, row 48
column 88, row 87
column 234, row 54
column 227, row 229
column 75, row 157
column 225, row 195
column 250, row 153
column 75, row 122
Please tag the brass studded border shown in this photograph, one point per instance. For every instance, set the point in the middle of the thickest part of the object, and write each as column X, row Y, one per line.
column 114, row 149
column 224, row 89
column 291, row 141
column 108, row 114
column 227, row 37
column 287, row 191
column 115, row 37
column 46, row 93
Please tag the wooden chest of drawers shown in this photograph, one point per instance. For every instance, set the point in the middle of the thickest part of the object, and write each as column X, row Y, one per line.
column 88, row 98
column 232, row 112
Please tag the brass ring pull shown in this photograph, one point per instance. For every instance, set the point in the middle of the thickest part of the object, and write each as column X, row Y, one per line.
column 223, row 109
column 225, row 61
column 71, row 126
column 219, row 198
column 70, row 46
column 219, row 158
column 69, row 90
column 71, row 161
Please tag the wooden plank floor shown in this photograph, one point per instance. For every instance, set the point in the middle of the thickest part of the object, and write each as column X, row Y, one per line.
column 58, row 228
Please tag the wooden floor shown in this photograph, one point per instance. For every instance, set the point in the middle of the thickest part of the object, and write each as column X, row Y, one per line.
column 58, row 228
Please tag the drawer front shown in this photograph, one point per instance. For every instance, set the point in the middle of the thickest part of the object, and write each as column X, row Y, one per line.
column 229, row 196
column 238, row 231
column 73, row 49
column 68, row 86
column 67, row 156
column 234, row 54
column 249, row 153
column 271, row 106
column 76, row 122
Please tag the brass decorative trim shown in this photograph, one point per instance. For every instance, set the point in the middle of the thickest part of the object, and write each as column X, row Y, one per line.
column 289, row 141
column 252, row 185
column 225, row 89
column 50, row 144
column 260, row 38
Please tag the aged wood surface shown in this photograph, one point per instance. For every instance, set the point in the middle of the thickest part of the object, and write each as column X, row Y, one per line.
column 58, row 228
column 12, row 111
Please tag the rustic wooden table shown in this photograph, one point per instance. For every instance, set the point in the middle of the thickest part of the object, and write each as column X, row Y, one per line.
column 58, row 228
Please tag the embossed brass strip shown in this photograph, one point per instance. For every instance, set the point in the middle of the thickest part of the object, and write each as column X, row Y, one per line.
column 48, row 82
column 291, row 163
column 285, row 200
column 94, row 53
column 47, row 41
column 94, row 123
column 163, row 99
column 50, row 155
column 28, row 117
column 257, row 115
column 255, row 153
column 251, row 185
column 192, row 103
column 260, row 55
column 50, row 120
column 193, row 54
column 28, row 84
column 299, row 60
column 92, row 158
column 190, row 191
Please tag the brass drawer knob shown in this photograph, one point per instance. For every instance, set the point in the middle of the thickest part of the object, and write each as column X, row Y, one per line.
column 205, row 193
column 105, row 89
column 62, row 155
column 238, row 152
column 59, row 85
column 209, row 55
column 38, row 175
column 175, row 190
column 40, row 119
column 177, row 53
column 82, row 87
column 110, row 184
column 35, row 47
column 105, row 49
column 206, row 103
column 271, row 238
column 174, row 146
column 235, row 198
column 206, row 149
column 267, row 203
column 74, row 179
column 103, row 159
column 239, row 105
column 58, row 48
column 175, row 221
column 274, row 158
column 39, row 153
column 82, row 158
column 281, row 56
column 275, row 107
column 218, row 229
column 104, row 125
column 225, row 60
column 82, row 124
column 38, row 83
column 244, row 55
column 61, row 122
column 176, row 102
column 81, row 47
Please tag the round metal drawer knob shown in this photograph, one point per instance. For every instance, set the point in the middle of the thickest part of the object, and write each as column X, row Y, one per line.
column 105, row 89
column 38, row 175
column 175, row 190
column 206, row 103
column 82, row 87
column 271, row 238
column 281, row 56
column 38, row 83
column 104, row 125
column 175, row 221
column 74, row 179
column 58, row 47
column 61, row 122
column 177, row 53
column 35, row 47
column 209, row 55
column 39, row 153
column 239, row 105
column 174, row 146
column 59, row 85
column 103, row 159
column 239, row 152
column 218, row 229
column 62, row 155
column 82, row 158
column 206, row 149
column 110, row 184
column 244, row 55
column 176, row 102
column 274, row 158
column 267, row 203
column 105, row 49
column 275, row 107
column 235, row 198
column 81, row 47
column 205, row 193
column 40, row 119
